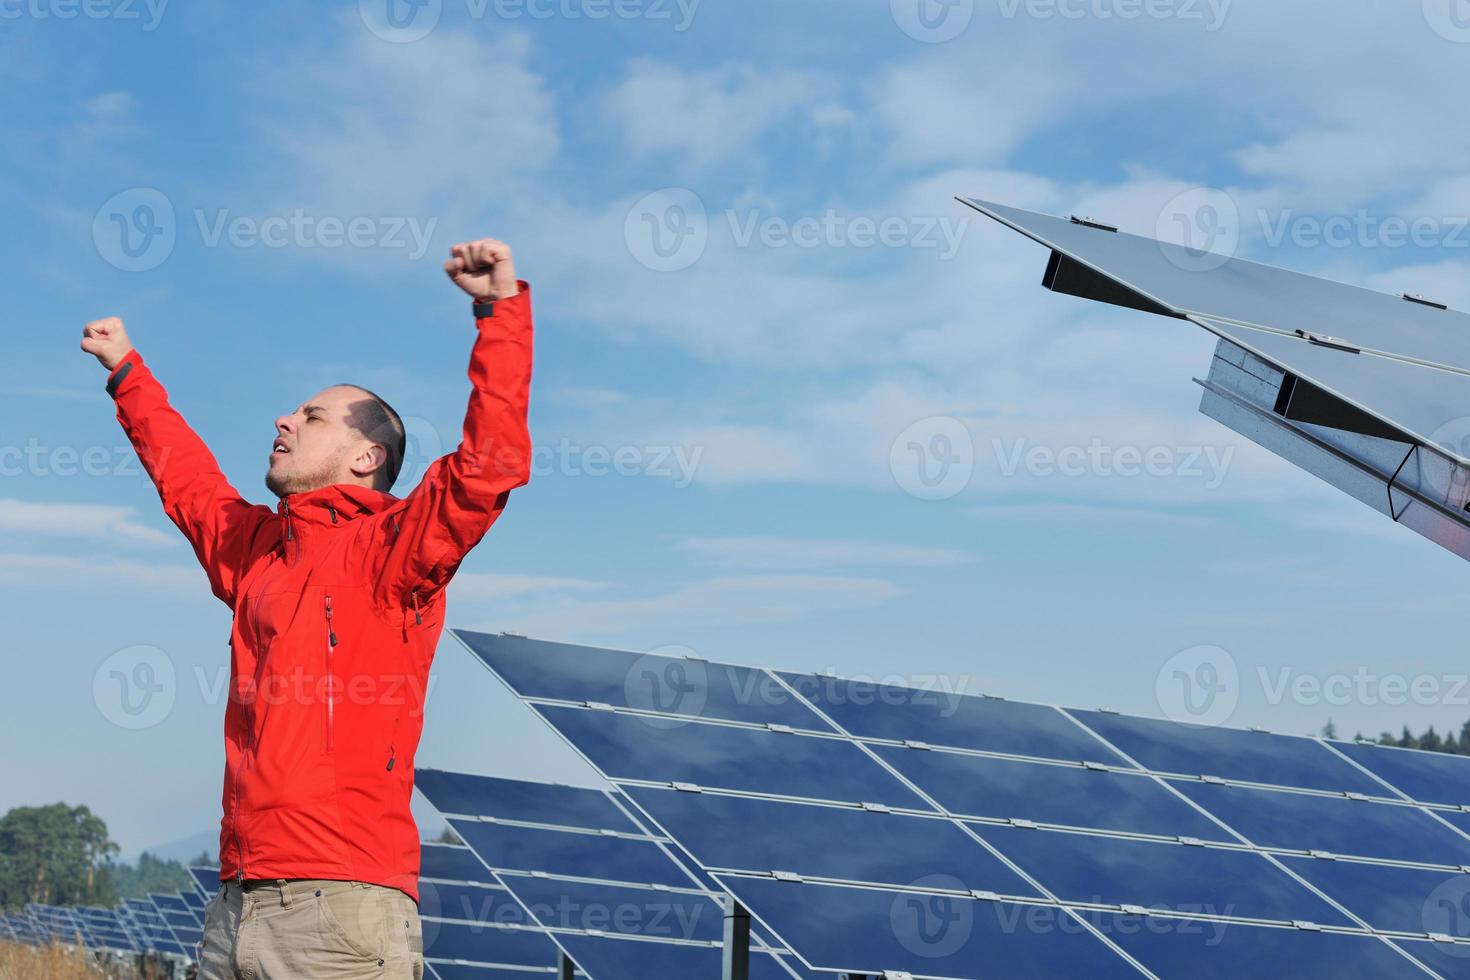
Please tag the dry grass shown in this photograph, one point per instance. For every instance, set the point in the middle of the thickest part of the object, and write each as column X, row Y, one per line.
column 21, row 962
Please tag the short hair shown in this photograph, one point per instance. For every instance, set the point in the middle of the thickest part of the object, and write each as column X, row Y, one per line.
column 378, row 422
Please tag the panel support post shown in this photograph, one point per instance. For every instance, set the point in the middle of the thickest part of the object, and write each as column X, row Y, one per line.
column 565, row 968
column 737, row 940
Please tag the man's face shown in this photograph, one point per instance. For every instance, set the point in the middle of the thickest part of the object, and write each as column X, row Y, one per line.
column 317, row 445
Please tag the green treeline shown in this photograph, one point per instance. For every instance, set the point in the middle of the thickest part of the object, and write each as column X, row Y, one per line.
column 62, row 855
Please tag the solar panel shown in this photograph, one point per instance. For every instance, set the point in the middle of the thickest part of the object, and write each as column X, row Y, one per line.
column 606, row 890
column 1375, row 408
column 206, row 880
column 1016, row 853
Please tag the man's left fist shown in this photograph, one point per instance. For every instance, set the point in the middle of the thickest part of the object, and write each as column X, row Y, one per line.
column 484, row 269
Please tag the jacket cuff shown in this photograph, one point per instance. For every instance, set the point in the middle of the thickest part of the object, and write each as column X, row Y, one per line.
column 511, row 304
column 124, row 368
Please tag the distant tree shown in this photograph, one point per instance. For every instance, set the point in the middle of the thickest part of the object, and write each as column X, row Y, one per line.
column 1407, row 739
column 54, row 854
column 150, row 874
column 448, row 837
column 1449, row 744
column 1430, row 740
column 1329, row 730
column 1386, row 738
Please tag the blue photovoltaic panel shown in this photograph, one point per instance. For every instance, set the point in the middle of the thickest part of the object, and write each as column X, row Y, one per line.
column 869, row 710
column 450, row 862
column 196, row 902
column 672, row 685
column 1231, row 951
column 440, row 970
column 1392, row 898
column 509, row 848
column 979, row 786
column 869, row 931
column 1360, row 828
column 1090, row 869
column 1449, row 960
column 1249, row 292
column 636, row 960
column 1429, row 777
column 515, row 799
column 471, row 903
column 624, row 746
column 736, row 833
column 485, row 942
column 658, row 914
column 1246, row 756
column 206, row 880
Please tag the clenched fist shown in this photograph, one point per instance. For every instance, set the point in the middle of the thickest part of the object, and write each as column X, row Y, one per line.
column 483, row 269
column 107, row 341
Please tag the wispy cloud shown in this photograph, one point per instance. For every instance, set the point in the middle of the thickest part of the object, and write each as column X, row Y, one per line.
column 100, row 522
column 808, row 553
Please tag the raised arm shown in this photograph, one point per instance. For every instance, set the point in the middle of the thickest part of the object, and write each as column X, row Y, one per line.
column 195, row 494
column 463, row 493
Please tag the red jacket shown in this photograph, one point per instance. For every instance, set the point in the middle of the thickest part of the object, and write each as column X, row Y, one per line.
column 338, row 596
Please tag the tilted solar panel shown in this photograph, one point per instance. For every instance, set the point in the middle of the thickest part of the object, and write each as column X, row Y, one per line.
column 1362, row 389
column 608, row 892
column 1130, row 845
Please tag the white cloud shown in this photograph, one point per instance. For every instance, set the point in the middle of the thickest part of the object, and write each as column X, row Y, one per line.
column 809, row 553
column 101, row 522
column 711, row 115
column 52, row 572
column 737, row 600
column 481, row 585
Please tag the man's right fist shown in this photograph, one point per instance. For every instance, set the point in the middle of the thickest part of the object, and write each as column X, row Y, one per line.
column 107, row 341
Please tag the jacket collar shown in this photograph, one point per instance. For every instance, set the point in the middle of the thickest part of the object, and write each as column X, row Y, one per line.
column 335, row 504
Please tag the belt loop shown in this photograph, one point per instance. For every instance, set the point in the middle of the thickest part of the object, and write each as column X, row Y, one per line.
column 286, row 896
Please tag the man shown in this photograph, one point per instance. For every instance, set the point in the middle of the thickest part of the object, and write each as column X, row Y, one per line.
column 338, row 601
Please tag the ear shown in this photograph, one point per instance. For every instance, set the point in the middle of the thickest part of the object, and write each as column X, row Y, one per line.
column 372, row 458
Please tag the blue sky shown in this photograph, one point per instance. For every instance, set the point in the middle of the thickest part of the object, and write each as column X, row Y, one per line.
column 727, row 413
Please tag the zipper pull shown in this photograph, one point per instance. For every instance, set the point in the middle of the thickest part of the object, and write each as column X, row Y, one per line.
column 286, row 513
column 417, row 616
column 333, row 512
column 331, row 632
column 240, row 875
column 392, row 758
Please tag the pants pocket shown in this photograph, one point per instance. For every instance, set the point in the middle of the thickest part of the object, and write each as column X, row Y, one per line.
column 354, row 916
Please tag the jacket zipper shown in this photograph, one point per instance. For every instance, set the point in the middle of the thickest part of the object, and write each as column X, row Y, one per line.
column 331, row 678
column 418, row 617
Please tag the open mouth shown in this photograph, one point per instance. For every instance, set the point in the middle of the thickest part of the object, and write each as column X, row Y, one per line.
column 279, row 449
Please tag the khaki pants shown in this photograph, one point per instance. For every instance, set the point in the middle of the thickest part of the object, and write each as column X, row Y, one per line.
column 311, row 930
